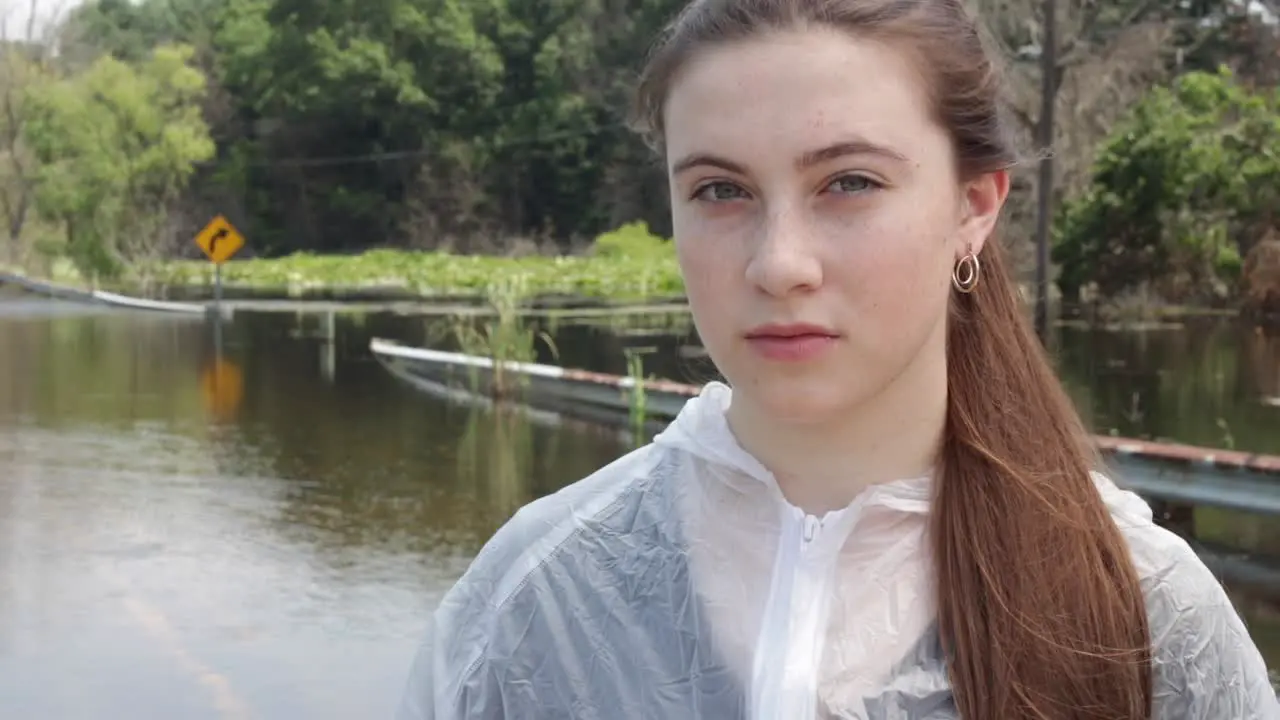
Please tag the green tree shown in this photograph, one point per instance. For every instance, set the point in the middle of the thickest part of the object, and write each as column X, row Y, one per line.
column 474, row 124
column 116, row 146
column 129, row 31
column 339, row 79
column 1179, row 192
column 22, row 69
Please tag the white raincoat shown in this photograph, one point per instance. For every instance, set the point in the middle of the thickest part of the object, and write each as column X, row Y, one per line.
column 677, row 582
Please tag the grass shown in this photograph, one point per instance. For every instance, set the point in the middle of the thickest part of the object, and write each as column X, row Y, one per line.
column 637, row 405
column 59, row 271
column 435, row 274
column 627, row 263
column 504, row 338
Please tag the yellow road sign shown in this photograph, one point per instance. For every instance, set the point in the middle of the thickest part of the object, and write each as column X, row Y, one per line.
column 219, row 240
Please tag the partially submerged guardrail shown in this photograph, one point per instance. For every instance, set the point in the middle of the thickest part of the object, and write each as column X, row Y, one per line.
column 98, row 297
column 1174, row 473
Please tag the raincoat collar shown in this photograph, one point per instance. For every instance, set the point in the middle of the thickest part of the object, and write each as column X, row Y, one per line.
column 702, row 429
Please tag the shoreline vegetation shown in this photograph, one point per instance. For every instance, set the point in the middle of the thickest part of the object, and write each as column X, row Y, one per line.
column 648, row 282
column 627, row 268
column 628, row 265
column 425, row 275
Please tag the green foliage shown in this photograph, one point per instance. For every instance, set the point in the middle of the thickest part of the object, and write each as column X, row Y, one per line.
column 1179, row 192
column 345, row 125
column 116, row 146
column 433, row 274
column 629, row 262
column 632, row 241
column 638, row 404
column 21, row 71
column 507, row 338
column 431, row 123
column 129, row 31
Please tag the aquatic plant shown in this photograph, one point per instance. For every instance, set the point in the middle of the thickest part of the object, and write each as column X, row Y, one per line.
column 638, row 404
column 504, row 338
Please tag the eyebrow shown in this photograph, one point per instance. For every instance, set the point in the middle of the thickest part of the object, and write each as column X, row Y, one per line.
column 848, row 147
column 807, row 160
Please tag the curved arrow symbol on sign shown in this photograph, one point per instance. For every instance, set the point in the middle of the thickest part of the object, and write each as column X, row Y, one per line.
column 213, row 241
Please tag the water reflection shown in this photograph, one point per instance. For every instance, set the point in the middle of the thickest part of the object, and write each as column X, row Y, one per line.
column 1247, row 531
column 1262, row 359
column 259, row 529
column 1203, row 384
column 259, row 534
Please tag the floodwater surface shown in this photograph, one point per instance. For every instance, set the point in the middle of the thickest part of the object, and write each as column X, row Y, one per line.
column 256, row 523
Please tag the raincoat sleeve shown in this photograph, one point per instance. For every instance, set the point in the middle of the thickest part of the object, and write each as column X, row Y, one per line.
column 489, row 645
column 1206, row 665
column 450, row 678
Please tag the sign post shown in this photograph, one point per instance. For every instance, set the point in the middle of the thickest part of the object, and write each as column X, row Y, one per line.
column 220, row 241
column 221, row 381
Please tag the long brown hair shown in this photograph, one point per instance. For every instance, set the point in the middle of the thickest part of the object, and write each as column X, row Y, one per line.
column 1039, row 606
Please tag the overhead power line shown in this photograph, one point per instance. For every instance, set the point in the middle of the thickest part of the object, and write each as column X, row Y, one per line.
column 334, row 160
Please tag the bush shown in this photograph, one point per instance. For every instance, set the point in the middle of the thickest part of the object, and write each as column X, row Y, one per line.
column 1179, row 193
column 629, row 263
column 632, row 241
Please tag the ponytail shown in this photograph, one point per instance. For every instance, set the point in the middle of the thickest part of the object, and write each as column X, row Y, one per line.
column 1040, row 608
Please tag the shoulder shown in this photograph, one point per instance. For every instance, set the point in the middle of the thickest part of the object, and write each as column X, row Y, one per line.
column 1206, row 666
column 538, row 533
column 541, row 533
column 539, row 551
column 1170, row 570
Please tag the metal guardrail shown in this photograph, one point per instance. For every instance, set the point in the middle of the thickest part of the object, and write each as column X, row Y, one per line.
column 1259, row 573
column 99, row 297
column 1176, row 474
column 1198, row 484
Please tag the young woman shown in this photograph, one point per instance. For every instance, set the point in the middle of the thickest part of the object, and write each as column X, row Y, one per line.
column 894, row 512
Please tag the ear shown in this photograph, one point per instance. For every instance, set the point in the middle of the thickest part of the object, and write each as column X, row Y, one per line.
column 983, row 198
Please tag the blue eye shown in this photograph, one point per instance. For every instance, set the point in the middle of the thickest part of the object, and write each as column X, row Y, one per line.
column 853, row 184
column 718, row 192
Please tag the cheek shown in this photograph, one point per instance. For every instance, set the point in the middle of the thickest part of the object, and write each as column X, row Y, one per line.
column 706, row 268
column 696, row 258
column 898, row 256
column 708, row 252
column 899, row 270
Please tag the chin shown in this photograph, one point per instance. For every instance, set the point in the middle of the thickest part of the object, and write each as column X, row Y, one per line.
column 798, row 399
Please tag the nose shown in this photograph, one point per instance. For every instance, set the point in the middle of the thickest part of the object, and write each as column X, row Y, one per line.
column 784, row 260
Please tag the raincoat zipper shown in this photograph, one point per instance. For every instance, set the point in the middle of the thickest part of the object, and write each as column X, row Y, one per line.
column 791, row 637
column 810, row 528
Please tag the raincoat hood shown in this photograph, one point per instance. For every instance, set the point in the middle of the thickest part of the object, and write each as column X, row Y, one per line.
column 678, row 582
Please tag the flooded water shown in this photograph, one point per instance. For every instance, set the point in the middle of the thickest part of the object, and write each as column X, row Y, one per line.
column 261, row 533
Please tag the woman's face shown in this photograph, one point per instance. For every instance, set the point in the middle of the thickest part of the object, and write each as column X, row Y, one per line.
column 810, row 186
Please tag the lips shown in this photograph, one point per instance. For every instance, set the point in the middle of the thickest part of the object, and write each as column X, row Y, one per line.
column 795, row 342
column 794, row 330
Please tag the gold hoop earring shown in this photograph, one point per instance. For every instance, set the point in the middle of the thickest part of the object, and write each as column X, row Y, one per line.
column 965, row 275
